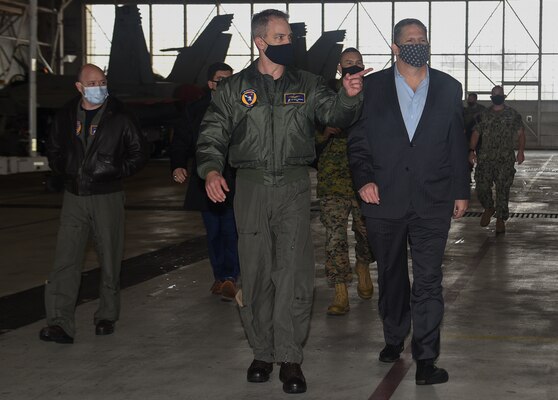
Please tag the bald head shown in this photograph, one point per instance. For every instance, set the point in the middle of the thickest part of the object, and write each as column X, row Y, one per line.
column 92, row 85
column 90, row 72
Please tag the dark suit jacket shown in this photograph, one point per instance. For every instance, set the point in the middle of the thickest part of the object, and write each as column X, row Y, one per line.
column 184, row 147
column 431, row 171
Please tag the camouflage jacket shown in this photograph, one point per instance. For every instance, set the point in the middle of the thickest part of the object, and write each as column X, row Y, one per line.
column 334, row 175
column 497, row 130
column 471, row 116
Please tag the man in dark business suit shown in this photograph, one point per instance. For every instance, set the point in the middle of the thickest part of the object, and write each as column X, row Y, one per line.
column 408, row 157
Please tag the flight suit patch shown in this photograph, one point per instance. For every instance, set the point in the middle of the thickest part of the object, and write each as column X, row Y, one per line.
column 295, row 98
column 249, row 97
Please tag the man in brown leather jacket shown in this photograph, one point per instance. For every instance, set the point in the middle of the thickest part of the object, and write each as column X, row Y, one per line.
column 94, row 143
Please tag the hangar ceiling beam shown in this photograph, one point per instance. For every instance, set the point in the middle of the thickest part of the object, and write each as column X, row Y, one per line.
column 33, row 44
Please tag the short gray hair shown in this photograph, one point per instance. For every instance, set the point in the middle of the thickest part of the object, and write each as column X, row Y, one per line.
column 261, row 19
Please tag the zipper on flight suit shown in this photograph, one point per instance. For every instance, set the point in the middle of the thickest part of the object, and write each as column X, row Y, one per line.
column 271, row 99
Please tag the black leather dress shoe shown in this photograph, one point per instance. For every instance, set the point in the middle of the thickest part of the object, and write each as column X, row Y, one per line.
column 104, row 327
column 429, row 374
column 56, row 334
column 259, row 371
column 390, row 353
column 292, row 377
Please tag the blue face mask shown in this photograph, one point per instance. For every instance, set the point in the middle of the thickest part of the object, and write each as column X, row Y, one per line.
column 95, row 94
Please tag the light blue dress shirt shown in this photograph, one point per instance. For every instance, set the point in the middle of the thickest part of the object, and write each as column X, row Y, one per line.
column 410, row 102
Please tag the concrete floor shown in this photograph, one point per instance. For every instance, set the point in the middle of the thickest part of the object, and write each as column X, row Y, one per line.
column 177, row 341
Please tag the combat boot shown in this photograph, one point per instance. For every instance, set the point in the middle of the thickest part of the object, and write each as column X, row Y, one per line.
column 486, row 216
column 500, row 225
column 365, row 288
column 340, row 305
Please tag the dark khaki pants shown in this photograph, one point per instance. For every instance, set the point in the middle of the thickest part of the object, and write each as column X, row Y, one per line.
column 103, row 215
column 276, row 267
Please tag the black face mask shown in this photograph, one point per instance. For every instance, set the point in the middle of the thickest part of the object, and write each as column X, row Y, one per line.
column 281, row 54
column 353, row 69
column 415, row 55
column 498, row 99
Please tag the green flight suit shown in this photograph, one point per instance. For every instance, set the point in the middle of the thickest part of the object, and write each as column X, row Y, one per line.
column 93, row 153
column 265, row 128
column 102, row 215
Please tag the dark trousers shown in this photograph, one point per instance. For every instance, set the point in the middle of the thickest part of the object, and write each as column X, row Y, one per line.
column 398, row 303
column 222, row 243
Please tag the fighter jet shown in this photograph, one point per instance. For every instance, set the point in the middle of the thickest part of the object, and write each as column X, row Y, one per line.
column 156, row 101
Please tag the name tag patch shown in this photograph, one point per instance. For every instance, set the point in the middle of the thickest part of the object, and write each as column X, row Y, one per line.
column 295, row 98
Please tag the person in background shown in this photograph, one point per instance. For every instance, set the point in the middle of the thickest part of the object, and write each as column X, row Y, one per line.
column 94, row 144
column 471, row 114
column 497, row 127
column 218, row 218
column 338, row 201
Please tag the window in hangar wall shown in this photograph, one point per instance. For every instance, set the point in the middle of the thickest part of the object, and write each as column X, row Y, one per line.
column 480, row 43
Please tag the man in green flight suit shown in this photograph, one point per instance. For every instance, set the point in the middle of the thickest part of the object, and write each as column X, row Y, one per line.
column 495, row 162
column 94, row 144
column 338, row 200
column 263, row 118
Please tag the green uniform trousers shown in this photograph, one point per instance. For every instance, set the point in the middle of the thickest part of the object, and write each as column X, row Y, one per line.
column 500, row 174
column 334, row 215
column 276, row 266
column 103, row 215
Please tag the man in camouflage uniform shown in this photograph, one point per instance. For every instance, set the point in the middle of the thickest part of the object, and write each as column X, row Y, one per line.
column 496, row 159
column 337, row 201
column 471, row 114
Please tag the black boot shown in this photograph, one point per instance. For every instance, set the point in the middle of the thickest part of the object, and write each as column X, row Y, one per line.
column 292, row 377
column 56, row 334
column 429, row 374
column 391, row 352
column 259, row 371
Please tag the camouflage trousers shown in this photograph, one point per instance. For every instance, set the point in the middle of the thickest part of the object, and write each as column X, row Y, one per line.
column 499, row 174
column 334, row 216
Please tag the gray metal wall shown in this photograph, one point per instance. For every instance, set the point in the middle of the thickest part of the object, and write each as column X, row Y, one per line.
column 541, row 129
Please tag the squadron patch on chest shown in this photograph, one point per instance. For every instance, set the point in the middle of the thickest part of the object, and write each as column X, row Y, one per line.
column 249, row 97
column 295, row 98
column 78, row 128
